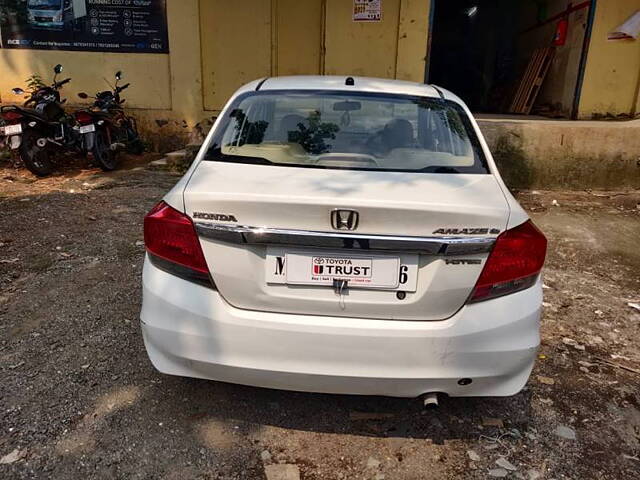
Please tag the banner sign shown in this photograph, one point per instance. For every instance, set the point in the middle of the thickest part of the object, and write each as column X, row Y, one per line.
column 124, row 26
column 367, row 10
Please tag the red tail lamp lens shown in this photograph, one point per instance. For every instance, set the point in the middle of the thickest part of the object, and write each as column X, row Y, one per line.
column 513, row 264
column 83, row 118
column 11, row 116
column 173, row 244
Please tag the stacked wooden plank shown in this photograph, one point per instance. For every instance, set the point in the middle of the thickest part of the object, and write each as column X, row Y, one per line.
column 532, row 80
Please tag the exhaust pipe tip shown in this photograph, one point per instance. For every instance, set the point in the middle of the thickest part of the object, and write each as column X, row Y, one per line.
column 430, row 400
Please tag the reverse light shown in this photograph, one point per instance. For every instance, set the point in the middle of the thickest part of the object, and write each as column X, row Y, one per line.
column 513, row 264
column 173, row 245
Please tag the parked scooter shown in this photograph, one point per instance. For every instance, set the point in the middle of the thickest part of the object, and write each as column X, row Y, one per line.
column 41, row 128
column 107, row 129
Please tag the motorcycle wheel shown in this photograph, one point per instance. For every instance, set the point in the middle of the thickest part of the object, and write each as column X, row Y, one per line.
column 36, row 159
column 103, row 156
column 135, row 146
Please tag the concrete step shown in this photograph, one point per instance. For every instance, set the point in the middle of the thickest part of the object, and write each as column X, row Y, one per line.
column 160, row 164
column 193, row 148
column 177, row 161
column 176, row 158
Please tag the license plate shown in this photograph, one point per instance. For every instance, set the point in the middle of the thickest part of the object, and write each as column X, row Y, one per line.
column 360, row 270
column 87, row 128
column 11, row 129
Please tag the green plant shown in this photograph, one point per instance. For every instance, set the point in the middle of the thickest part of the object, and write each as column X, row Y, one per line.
column 312, row 138
column 248, row 132
column 34, row 82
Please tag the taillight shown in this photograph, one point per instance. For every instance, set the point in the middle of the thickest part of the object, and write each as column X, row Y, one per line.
column 513, row 264
column 83, row 118
column 173, row 245
column 11, row 116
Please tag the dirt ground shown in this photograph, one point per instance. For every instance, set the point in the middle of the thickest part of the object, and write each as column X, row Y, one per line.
column 79, row 398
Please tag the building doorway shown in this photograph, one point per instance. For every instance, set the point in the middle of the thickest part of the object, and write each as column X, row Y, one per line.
column 480, row 48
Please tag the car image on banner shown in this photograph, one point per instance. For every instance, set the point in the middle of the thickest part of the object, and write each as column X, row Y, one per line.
column 55, row 14
column 84, row 25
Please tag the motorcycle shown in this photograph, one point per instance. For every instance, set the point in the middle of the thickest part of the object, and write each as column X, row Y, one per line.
column 41, row 128
column 106, row 128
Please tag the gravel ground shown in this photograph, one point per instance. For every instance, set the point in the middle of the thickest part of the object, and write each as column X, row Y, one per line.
column 79, row 398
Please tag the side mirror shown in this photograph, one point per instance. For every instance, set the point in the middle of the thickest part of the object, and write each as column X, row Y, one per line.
column 83, row 95
column 118, row 75
column 57, row 69
column 18, row 91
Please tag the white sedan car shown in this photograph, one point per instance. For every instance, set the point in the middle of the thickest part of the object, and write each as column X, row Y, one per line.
column 344, row 235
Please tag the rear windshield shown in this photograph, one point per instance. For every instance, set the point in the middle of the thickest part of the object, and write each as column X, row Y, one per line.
column 343, row 130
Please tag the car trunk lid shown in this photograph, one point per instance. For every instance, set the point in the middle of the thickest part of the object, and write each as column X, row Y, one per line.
column 279, row 217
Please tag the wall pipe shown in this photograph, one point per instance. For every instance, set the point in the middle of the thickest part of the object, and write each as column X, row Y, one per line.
column 427, row 63
column 583, row 60
column 565, row 13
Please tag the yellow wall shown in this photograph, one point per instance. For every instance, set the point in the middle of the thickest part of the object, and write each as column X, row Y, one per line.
column 612, row 74
column 297, row 37
column 236, row 46
column 361, row 48
column 147, row 73
column 293, row 37
column 217, row 45
column 413, row 32
column 163, row 86
column 396, row 47
column 185, row 66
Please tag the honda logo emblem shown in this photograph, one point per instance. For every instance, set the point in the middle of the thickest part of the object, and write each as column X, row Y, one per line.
column 344, row 219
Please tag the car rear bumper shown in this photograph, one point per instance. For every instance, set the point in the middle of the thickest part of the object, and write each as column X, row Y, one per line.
column 192, row 331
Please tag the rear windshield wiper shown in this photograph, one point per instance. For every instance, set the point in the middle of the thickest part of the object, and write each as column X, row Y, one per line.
column 245, row 159
column 215, row 153
column 438, row 169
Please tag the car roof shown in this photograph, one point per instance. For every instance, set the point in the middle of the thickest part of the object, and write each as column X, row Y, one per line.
column 340, row 83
